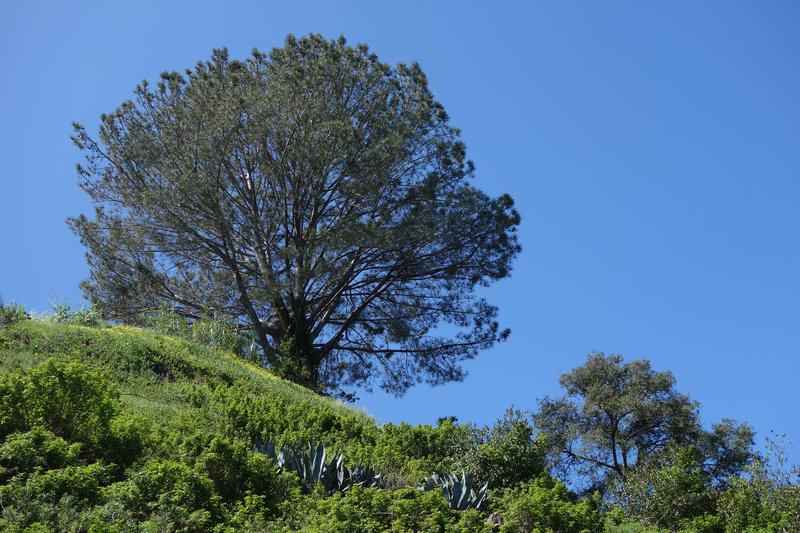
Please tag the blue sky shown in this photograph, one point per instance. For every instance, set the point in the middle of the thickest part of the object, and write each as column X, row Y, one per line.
column 653, row 150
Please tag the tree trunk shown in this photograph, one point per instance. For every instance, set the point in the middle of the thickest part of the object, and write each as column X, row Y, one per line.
column 296, row 359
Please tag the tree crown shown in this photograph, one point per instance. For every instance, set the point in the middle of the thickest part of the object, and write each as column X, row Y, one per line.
column 314, row 195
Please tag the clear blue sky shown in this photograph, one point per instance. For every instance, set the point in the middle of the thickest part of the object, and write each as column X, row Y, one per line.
column 653, row 149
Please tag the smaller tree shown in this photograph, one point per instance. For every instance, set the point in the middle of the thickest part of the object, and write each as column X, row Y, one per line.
column 502, row 455
column 614, row 417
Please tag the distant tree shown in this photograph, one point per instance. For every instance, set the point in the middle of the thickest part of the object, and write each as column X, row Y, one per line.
column 614, row 417
column 313, row 194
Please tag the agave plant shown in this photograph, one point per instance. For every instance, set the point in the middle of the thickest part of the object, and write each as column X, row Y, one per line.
column 311, row 468
column 363, row 476
column 458, row 492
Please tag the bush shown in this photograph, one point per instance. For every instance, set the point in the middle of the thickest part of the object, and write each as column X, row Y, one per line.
column 85, row 316
column 9, row 314
column 237, row 472
column 168, row 495
column 70, row 400
column 545, row 505
column 767, row 498
column 74, row 403
column 370, row 510
column 57, row 498
column 672, row 494
column 213, row 331
column 289, row 421
column 37, row 449
column 502, row 455
column 406, row 453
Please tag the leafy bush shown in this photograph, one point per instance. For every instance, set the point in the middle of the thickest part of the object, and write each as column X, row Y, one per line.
column 407, row 453
column 37, row 449
column 9, row 314
column 504, row 454
column 292, row 421
column 214, row 331
column 371, row 510
column 236, row 472
column 56, row 497
column 545, row 505
column 672, row 494
column 70, row 400
column 168, row 495
column 74, row 403
column 85, row 316
column 768, row 496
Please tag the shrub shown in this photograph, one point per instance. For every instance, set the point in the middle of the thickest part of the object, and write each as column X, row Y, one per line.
column 672, row 493
column 9, row 314
column 502, row 455
column 370, row 510
column 70, row 400
column 37, row 449
column 236, row 472
column 81, row 482
column 168, row 495
column 545, row 505
column 766, row 498
column 289, row 421
column 85, row 316
column 407, row 453
column 73, row 403
column 56, row 500
column 214, row 331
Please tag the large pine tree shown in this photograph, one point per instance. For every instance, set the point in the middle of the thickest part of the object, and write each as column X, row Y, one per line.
column 313, row 194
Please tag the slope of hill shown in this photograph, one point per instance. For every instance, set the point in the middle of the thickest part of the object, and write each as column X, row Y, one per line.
column 173, row 381
column 119, row 429
column 123, row 429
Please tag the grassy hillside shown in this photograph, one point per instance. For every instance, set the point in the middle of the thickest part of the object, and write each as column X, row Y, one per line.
column 125, row 429
column 119, row 429
column 173, row 382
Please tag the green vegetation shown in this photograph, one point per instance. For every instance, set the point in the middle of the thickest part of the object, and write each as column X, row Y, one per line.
column 118, row 429
column 313, row 195
column 458, row 491
column 615, row 418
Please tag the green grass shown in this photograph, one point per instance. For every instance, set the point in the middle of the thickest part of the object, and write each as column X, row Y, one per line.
column 176, row 382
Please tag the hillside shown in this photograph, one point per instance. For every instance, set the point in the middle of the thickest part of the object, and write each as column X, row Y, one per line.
column 120, row 429
column 172, row 382
column 129, row 430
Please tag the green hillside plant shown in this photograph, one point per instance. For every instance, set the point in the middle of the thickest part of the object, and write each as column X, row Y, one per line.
column 545, row 504
column 215, row 331
column 766, row 496
column 85, row 316
column 458, row 492
column 11, row 313
column 312, row 468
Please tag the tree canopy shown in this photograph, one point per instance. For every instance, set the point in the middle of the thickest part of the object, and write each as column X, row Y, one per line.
column 614, row 417
column 314, row 195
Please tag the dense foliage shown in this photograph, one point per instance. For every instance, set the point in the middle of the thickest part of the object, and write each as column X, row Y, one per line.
column 116, row 429
column 314, row 195
column 616, row 417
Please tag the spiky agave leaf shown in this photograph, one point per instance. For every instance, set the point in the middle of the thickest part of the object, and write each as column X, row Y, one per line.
column 458, row 492
column 311, row 468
